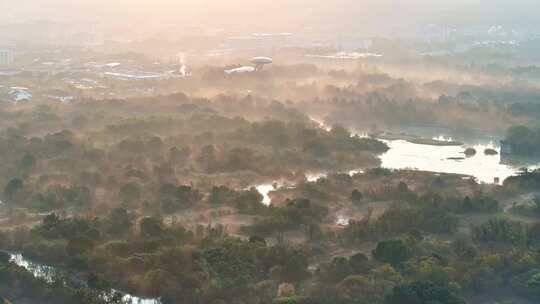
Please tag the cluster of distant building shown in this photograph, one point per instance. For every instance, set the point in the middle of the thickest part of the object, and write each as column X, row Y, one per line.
column 258, row 62
column 6, row 57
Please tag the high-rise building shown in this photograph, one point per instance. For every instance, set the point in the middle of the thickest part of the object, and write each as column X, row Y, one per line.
column 6, row 57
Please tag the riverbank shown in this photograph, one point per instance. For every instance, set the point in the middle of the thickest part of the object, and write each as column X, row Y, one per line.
column 417, row 139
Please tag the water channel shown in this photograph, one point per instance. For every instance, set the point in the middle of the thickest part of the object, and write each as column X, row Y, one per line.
column 48, row 273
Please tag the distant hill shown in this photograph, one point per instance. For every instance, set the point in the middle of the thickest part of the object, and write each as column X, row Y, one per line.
column 516, row 13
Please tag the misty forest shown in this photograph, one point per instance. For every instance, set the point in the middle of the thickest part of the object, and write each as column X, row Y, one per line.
column 257, row 152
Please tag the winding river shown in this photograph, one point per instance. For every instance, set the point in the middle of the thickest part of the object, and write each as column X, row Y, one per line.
column 47, row 273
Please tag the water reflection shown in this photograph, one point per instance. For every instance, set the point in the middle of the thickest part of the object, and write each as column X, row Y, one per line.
column 48, row 273
column 265, row 190
column 313, row 177
column 342, row 220
column 443, row 138
column 39, row 271
column 450, row 159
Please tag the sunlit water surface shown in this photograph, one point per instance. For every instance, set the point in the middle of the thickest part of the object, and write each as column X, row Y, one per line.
column 47, row 273
column 451, row 159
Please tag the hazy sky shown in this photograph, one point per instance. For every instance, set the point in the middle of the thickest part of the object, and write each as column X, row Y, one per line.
column 207, row 9
column 278, row 14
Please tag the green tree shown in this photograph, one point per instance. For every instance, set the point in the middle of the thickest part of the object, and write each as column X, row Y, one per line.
column 250, row 202
column 393, row 252
column 79, row 245
column 519, row 135
column 118, row 222
column 422, row 293
column 174, row 198
column 359, row 263
column 536, row 203
column 464, row 249
column 151, row 227
column 403, row 188
column 12, row 187
column 528, row 283
column 4, row 257
column 157, row 282
column 220, row 195
column 338, row 269
column 28, row 161
column 356, row 197
column 500, row 230
column 130, row 193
